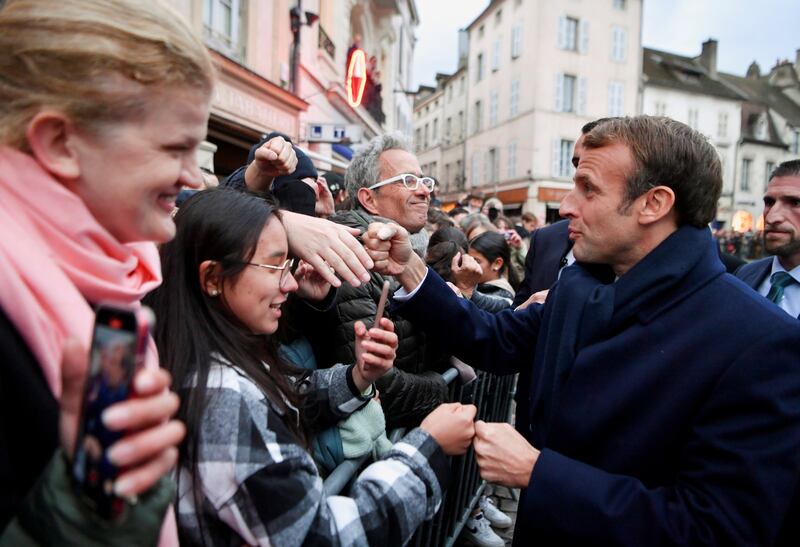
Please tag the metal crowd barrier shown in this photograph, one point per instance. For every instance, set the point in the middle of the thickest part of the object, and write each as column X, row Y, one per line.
column 493, row 396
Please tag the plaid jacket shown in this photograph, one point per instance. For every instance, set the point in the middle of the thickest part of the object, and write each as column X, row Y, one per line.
column 260, row 487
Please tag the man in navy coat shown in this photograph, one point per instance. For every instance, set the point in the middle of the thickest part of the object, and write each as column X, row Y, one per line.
column 778, row 277
column 659, row 409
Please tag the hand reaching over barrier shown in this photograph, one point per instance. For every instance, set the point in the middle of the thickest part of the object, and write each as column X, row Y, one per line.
column 273, row 158
column 466, row 273
column 375, row 352
column 330, row 248
column 311, row 285
column 452, row 426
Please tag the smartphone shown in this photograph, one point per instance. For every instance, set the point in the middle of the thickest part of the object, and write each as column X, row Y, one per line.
column 381, row 304
column 119, row 342
column 507, row 234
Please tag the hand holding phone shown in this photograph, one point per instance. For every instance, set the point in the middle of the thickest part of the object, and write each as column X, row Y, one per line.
column 119, row 342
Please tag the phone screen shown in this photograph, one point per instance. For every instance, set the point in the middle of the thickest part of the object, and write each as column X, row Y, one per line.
column 112, row 363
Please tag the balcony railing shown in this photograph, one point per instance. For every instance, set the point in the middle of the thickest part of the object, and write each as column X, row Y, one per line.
column 326, row 43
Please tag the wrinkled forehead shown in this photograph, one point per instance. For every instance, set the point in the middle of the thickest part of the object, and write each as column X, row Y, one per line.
column 396, row 161
column 784, row 186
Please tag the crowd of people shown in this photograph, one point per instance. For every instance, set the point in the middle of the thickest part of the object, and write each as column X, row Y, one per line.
column 658, row 399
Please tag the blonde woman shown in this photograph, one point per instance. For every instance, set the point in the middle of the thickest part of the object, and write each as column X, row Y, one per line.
column 102, row 105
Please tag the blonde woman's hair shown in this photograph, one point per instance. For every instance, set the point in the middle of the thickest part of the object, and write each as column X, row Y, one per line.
column 92, row 60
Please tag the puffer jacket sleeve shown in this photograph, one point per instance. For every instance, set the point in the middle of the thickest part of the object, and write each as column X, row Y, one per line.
column 407, row 398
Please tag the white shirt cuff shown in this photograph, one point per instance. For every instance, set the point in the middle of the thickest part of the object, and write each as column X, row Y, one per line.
column 401, row 295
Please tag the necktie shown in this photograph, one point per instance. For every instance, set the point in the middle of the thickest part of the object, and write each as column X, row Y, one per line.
column 780, row 280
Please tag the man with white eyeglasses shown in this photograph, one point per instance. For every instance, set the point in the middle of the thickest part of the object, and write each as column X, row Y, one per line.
column 387, row 185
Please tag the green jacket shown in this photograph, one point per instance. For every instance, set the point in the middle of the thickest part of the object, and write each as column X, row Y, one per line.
column 52, row 514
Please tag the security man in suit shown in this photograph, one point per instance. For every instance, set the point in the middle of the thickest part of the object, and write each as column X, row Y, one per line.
column 778, row 277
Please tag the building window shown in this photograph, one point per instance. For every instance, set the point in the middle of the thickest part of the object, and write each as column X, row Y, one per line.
column 476, row 168
column 693, row 115
column 425, row 137
column 459, row 175
column 493, row 100
column 568, row 34
column 573, row 34
column 722, row 125
column 512, row 160
column 479, row 68
column 619, row 44
column 513, row 100
column 616, row 94
column 478, row 121
column 461, row 125
column 417, row 136
column 660, row 108
column 480, row 31
column 491, row 165
column 498, row 17
column 562, row 158
column 448, row 128
column 796, row 142
column 516, row 41
column 461, row 85
column 223, row 24
column 761, row 129
column 496, row 55
column 565, row 93
column 435, row 136
column 744, row 184
column 768, row 169
column 619, row 4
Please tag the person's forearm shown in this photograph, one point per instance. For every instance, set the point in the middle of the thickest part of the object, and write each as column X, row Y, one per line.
column 413, row 274
column 255, row 179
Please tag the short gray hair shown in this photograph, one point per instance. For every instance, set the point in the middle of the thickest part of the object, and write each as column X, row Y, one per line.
column 363, row 170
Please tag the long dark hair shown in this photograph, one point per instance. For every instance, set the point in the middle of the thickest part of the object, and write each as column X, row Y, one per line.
column 224, row 226
column 443, row 245
column 492, row 245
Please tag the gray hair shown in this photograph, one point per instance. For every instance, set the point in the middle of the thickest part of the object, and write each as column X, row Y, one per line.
column 363, row 170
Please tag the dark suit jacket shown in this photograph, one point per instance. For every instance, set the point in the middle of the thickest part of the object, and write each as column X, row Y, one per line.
column 548, row 246
column 756, row 272
column 658, row 417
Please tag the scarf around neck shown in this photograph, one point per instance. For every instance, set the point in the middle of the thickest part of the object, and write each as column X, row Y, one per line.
column 56, row 260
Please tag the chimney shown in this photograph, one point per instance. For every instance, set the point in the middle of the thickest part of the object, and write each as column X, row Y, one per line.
column 797, row 62
column 753, row 71
column 463, row 47
column 708, row 57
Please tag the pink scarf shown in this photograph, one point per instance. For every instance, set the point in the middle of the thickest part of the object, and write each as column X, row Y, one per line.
column 55, row 259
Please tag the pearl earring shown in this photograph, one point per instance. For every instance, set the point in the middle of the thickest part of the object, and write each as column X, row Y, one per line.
column 214, row 292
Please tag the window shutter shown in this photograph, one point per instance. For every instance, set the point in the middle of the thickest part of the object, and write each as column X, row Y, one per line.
column 623, row 45
column 559, row 103
column 581, row 109
column 556, row 167
column 562, row 32
column 584, row 37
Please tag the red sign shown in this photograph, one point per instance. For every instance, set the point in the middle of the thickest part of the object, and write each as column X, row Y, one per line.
column 356, row 77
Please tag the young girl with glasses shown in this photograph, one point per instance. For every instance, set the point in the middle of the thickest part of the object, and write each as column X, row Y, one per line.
column 245, row 473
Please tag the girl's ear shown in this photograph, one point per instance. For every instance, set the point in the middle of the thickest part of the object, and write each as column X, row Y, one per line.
column 497, row 264
column 209, row 277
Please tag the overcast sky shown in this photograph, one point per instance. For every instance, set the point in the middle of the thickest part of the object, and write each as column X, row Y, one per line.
column 746, row 31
